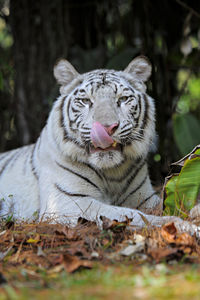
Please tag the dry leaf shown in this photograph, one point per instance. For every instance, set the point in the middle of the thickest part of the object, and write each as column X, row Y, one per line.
column 161, row 253
column 70, row 233
column 35, row 240
column 168, row 232
column 114, row 224
column 73, row 263
column 185, row 239
column 171, row 235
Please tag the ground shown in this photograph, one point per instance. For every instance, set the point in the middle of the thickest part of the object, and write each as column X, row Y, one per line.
column 116, row 262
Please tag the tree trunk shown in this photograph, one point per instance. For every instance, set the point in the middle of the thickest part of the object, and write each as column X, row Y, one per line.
column 41, row 35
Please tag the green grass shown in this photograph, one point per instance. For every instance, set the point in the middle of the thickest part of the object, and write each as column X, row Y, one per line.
column 107, row 282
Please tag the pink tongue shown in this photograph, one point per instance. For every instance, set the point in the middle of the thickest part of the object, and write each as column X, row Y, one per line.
column 100, row 137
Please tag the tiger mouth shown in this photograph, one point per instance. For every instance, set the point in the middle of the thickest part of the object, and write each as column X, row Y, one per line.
column 114, row 147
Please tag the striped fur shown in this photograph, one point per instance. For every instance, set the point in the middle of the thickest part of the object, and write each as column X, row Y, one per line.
column 61, row 176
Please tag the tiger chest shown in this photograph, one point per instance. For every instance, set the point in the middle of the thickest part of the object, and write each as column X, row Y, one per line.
column 111, row 192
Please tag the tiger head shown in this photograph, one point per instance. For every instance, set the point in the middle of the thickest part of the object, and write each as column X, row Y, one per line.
column 106, row 115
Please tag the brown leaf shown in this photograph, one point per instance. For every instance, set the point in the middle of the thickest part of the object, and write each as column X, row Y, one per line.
column 187, row 250
column 73, row 263
column 161, row 253
column 114, row 224
column 70, row 233
column 185, row 239
column 168, row 232
column 171, row 235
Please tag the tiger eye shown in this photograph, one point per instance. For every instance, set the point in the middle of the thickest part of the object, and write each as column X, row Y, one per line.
column 122, row 99
column 86, row 101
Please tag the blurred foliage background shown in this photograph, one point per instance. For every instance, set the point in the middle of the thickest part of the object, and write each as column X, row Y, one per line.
column 101, row 34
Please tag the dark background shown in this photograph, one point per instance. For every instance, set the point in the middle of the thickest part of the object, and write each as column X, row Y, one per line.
column 101, row 34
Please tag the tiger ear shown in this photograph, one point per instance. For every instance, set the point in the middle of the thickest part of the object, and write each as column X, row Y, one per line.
column 64, row 72
column 140, row 68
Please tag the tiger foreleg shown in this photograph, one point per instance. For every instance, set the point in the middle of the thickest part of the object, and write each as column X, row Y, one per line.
column 68, row 210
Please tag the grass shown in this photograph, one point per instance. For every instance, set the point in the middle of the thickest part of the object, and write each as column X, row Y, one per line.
column 119, row 281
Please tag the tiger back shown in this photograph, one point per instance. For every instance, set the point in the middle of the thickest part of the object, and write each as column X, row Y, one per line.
column 90, row 158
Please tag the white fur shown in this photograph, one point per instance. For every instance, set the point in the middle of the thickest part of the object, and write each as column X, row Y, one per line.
column 38, row 179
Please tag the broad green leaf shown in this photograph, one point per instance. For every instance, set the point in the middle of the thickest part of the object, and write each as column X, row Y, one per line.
column 194, row 87
column 171, row 205
column 182, row 190
column 186, row 130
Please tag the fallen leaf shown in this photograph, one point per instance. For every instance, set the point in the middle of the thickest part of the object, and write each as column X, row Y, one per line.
column 185, row 239
column 168, row 232
column 35, row 240
column 114, row 224
column 70, row 233
column 164, row 253
column 171, row 235
column 73, row 263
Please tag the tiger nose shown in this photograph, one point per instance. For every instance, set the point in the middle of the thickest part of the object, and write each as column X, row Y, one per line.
column 111, row 128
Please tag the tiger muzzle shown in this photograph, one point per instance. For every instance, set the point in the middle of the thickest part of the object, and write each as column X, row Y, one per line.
column 101, row 136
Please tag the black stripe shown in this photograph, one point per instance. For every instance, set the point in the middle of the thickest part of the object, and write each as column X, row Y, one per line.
column 104, row 78
column 76, row 91
column 68, row 193
column 145, row 115
column 145, row 200
column 132, row 90
column 32, row 162
column 74, row 110
column 77, row 174
column 130, row 180
column 135, row 190
column 129, row 100
column 94, row 170
column 87, row 128
column 124, row 126
column 92, row 90
column 79, row 122
column 5, row 165
column 126, row 89
column 68, row 114
column 66, row 136
column 139, row 114
column 125, row 130
column 115, row 88
column 123, row 176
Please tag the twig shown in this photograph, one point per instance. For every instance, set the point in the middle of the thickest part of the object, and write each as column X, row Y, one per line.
column 188, row 8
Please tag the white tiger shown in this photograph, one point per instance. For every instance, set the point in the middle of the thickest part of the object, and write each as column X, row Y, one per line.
column 90, row 158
